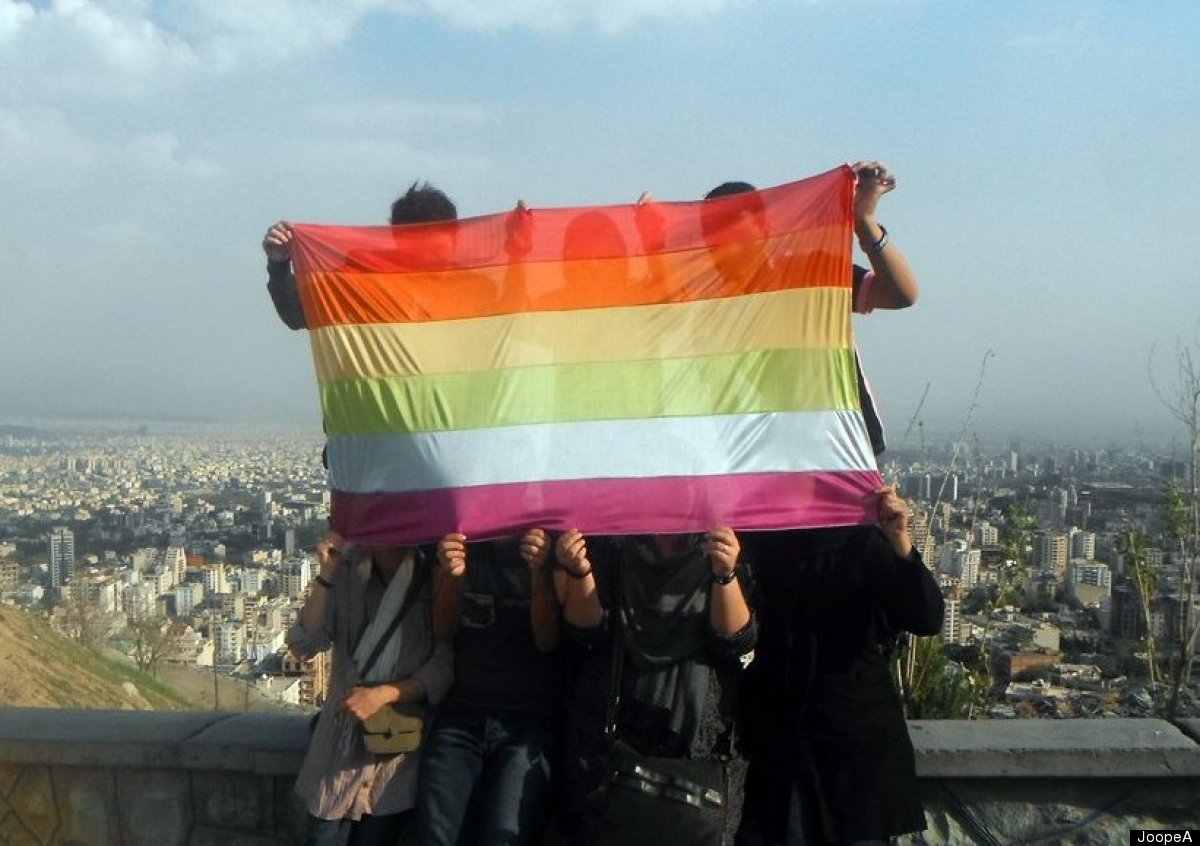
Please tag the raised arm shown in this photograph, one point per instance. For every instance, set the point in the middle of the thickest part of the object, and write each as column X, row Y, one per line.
column 544, row 611
column 576, row 583
column 906, row 589
column 728, row 611
column 314, row 629
column 281, row 282
column 894, row 285
column 447, row 597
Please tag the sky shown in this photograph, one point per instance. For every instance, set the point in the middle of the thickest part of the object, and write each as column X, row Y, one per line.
column 1044, row 153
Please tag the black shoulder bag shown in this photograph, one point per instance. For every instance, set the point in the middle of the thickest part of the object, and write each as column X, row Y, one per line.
column 649, row 801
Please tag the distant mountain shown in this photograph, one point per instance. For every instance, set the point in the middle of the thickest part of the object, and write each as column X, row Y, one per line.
column 45, row 669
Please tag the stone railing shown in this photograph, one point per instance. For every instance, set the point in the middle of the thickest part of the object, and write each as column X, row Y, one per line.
column 99, row 777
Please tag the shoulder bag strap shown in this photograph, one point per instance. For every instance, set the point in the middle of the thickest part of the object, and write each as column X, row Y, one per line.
column 420, row 571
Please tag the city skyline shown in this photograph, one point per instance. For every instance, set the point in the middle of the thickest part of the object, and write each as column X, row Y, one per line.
column 146, row 147
column 196, row 550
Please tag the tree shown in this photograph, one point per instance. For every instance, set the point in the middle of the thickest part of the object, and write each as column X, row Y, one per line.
column 1132, row 545
column 1187, row 631
column 1182, row 401
column 152, row 637
column 940, row 689
column 1016, row 529
column 82, row 618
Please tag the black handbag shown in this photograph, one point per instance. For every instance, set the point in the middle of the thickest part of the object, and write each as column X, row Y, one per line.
column 647, row 800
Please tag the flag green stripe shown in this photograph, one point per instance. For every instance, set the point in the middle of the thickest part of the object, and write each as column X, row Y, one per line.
column 737, row 383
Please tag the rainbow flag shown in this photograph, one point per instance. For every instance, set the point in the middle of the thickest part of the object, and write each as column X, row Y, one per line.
column 624, row 369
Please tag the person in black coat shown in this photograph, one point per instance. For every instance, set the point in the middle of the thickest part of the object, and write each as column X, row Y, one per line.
column 831, row 761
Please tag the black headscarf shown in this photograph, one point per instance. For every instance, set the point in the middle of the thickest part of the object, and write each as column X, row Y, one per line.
column 662, row 603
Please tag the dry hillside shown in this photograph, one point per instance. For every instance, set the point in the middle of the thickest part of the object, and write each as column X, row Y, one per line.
column 43, row 669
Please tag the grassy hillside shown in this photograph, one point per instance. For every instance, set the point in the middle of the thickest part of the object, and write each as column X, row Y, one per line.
column 44, row 669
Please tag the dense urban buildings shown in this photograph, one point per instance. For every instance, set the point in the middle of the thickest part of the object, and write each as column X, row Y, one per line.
column 202, row 540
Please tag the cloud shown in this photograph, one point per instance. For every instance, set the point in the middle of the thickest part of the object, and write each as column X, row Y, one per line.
column 229, row 33
column 33, row 140
column 550, row 15
column 117, row 49
column 13, row 16
column 89, row 47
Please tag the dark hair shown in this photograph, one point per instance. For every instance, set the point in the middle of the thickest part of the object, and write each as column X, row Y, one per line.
column 714, row 217
column 592, row 234
column 422, row 203
column 727, row 188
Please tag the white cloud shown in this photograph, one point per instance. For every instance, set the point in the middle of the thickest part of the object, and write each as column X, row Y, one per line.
column 123, row 48
column 605, row 15
column 13, row 16
column 90, row 47
column 229, row 33
column 32, row 140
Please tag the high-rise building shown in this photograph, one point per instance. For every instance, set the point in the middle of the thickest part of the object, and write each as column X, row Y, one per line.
column 252, row 580
column 297, row 573
column 187, row 597
column 10, row 574
column 1052, row 552
column 231, row 642
column 959, row 561
column 986, row 535
column 952, row 621
column 1090, row 573
column 314, row 673
column 174, row 558
column 215, row 579
column 1083, row 544
column 917, row 486
column 919, row 530
column 968, row 576
column 62, row 555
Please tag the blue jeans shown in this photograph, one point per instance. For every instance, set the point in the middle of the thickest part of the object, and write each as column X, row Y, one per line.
column 485, row 778
column 369, row 831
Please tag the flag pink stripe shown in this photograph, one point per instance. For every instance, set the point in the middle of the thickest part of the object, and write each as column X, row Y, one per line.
column 751, row 501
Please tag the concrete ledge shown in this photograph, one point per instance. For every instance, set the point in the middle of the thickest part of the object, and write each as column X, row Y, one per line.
column 1109, row 748
column 274, row 744
column 72, row 777
column 143, row 739
column 1191, row 728
column 267, row 744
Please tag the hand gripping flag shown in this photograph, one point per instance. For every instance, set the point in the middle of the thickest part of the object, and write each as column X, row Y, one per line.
column 663, row 367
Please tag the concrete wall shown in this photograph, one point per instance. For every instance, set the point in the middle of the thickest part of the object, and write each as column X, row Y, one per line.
column 99, row 777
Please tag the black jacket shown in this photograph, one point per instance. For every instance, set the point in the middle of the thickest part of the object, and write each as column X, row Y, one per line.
column 823, row 717
column 281, row 285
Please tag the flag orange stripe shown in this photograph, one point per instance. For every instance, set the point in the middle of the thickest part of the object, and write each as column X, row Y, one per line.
column 340, row 298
